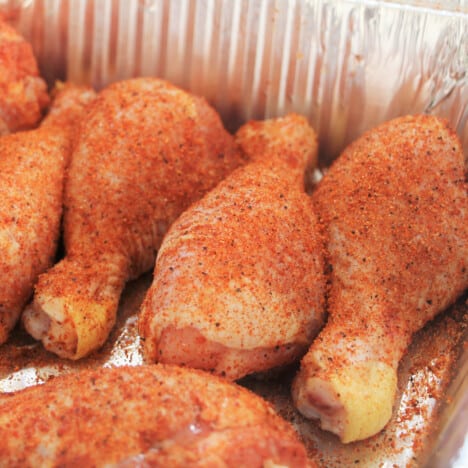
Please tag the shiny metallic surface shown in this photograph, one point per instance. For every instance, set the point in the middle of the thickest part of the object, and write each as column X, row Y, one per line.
column 346, row 65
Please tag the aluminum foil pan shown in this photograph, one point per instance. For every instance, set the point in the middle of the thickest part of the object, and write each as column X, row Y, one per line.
column 347, row 65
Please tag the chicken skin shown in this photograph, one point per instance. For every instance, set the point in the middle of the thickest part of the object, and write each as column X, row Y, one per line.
column 23, row 94
column 32, row 167
column 146, row 151
column 144, row 416
column 394, row 208
column 239, row 284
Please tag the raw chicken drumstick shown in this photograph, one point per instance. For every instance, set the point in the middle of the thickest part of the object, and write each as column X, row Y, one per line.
column 395, row 211
column 146, row 151
column 23, row 94
column 239, row 283
column 32, row 167
column 159, row 416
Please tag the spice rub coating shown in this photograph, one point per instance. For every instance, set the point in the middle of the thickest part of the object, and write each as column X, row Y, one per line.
column 32, row 171
column 146, row 151
column 23, row 94
column 394, row 209
column 144, row 416
column 239, row 284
